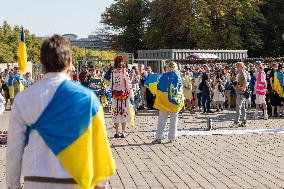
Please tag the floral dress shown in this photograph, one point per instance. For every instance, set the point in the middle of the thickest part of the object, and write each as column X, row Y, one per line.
column 120, row 109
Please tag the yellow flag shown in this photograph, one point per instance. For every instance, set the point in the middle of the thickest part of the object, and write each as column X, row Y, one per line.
column 22, row 53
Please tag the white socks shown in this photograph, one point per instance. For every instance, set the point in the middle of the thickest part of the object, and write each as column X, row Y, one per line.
column 265, row 113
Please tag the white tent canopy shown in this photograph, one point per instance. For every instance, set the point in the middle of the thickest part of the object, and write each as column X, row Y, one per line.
column 202, row 56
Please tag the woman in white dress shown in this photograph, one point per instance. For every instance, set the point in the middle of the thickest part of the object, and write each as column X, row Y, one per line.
column 121, row 94
column 219, row 95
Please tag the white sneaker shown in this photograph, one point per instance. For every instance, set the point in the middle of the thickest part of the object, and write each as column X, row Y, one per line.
column 255, row 117
column 265, row 117
column 234, row 125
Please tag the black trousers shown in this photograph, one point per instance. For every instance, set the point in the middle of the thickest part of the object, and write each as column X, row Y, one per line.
column 149, row 99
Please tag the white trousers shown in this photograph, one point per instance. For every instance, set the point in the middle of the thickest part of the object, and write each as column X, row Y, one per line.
column 41, row 185
column 162, row 121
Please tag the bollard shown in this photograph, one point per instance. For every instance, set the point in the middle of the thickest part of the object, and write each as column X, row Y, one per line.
column 209, row 124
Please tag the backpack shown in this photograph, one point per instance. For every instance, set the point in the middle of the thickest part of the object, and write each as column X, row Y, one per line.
column 120, row 95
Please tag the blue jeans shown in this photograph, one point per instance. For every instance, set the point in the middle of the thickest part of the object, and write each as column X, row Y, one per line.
column 206, row 100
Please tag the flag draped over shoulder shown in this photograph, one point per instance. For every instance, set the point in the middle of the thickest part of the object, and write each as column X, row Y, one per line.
column 277, row 84
column 152, row 82
column 75, row 132
column 169, row 96
column 22, row 53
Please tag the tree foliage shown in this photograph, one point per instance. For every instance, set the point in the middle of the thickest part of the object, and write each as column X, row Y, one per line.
column 273, row 28
column 9, row 41
column 127, row 18
column 256, row 25
column 10, row 38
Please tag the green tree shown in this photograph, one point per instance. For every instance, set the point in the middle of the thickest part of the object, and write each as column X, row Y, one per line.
column 202, row 24
column 273, row 28
column 126, row 19
column 10, row 38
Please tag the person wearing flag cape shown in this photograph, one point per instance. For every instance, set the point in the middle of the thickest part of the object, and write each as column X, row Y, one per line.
column 59, row 142
column 169, row 101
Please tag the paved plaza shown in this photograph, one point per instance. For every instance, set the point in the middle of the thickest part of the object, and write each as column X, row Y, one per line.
column 219, row 159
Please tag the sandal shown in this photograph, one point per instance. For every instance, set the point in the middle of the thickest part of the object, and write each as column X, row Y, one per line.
column 117, row 135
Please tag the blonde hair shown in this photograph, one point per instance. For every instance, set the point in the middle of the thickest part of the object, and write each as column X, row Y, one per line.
column 240, row 64
column 172, row 66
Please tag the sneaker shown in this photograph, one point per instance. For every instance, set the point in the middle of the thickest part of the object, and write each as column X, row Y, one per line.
column 255, row 117
column 234, row 125
column 157, row 141
column 210, row 111
column 265, row 117
column 243, row 125
column 117, row 135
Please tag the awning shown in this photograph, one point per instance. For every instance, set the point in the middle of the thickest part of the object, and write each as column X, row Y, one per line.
column 196, row 56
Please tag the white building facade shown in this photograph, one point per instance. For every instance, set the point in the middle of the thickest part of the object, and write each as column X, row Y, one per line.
column 93, row 42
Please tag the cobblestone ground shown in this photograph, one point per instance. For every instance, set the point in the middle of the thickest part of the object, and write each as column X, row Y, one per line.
column 215, row 161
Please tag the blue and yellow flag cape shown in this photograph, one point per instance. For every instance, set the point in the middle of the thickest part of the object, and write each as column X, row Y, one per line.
column 152, row 82
column 278, row 80
column 169, row 96
column 22, row 53
column 73, row 127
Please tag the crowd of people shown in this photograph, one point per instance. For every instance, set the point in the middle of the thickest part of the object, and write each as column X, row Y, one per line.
column 256, row 86
column 205, row 87
column 11, row 83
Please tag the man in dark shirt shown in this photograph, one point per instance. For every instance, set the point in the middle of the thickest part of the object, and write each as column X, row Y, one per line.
column 83, row 75
column 206, row 90
column 269, row 74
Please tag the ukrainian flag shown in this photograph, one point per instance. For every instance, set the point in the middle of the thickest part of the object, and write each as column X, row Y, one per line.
column 22, row 53
column 132, row 112
column 152, row 82
column 278, row 79
column 73, row 127
column 169, row 96
column 11, row 86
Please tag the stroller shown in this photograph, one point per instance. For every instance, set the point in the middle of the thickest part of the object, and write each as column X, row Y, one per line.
column 98, row 86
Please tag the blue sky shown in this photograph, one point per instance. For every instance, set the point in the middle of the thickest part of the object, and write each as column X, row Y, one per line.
column 46, row 17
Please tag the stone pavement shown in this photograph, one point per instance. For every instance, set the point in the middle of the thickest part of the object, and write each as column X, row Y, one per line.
column 212, row 161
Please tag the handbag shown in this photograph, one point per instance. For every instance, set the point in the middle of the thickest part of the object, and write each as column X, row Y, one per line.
column 247, row 93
